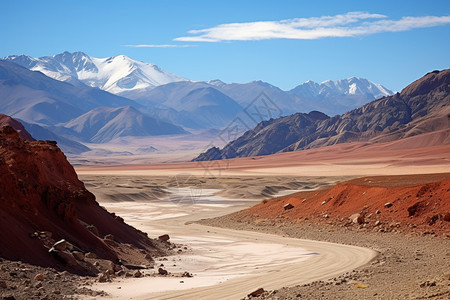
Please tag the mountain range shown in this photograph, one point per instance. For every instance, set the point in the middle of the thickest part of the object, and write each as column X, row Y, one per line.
column 36, row 98
column 421, row 107
column 136, row 80
column 60, row 96
column 45, row 105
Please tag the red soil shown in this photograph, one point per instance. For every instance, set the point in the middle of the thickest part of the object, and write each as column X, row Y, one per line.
column 420, row 203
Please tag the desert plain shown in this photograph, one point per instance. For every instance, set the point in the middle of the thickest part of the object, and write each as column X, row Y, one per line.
column 233, row 249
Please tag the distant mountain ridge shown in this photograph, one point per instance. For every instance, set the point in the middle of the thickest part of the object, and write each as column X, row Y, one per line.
column 118, row 74
column 340, row 95
column 333, row 100
column 44, row 105
column 349, row 86
column 136, row 80
column 36, row 98
column 421, row 107
column 68, row 87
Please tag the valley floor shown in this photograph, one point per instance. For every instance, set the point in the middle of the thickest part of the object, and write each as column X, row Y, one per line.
column 407, row 267
column 226, row 264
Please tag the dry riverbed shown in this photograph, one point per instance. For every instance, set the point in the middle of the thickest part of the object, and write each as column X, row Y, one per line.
column 408, row 266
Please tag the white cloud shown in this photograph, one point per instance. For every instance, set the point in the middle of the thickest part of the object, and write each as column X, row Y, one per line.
column 159, row 46
column 345, row 25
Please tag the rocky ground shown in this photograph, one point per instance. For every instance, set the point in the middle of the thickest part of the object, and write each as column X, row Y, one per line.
column 404, row 218
column 19, row 280
column 409, row 266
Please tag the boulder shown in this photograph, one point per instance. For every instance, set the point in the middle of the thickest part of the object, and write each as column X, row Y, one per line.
column 109, row 237
column 428, row 284
column 117, row 268
column 103, row 278
column 412, row 210
column 357, row 218
column 256, row 293
column 45, row 235
column 65, row 257
column 111, row 269
column 288, row 206
column 187, row 274
column 60, row 245
column 90, row 255
column 78, row 255
column 137, row 274
column 164, row 237
column 161, row 271
column 39, row 277
column 388, row 204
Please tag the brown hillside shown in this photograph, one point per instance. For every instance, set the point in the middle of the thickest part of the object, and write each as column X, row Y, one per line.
column 422, row 107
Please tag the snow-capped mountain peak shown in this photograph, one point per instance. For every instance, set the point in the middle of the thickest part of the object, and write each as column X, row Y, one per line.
column 216, row 82
column 118, row 74
column 349, row 86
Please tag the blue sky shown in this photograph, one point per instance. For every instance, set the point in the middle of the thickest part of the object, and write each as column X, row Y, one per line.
column 281, row 42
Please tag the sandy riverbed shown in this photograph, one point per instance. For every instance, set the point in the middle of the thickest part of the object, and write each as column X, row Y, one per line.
column 226, row 264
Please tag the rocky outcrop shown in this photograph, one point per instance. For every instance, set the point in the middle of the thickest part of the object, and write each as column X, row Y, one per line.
column 8, row 121
column 164, row 237
column 42, row 202
column 422, row 107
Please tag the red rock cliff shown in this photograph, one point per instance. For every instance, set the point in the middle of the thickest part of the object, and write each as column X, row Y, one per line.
column 40, row 192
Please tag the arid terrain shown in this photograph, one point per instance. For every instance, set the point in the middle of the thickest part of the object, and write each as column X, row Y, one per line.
column 401, row 223
column 367, row 219
column 226, row 150
column 407, row 156
column 411, row 249
column 405, row 218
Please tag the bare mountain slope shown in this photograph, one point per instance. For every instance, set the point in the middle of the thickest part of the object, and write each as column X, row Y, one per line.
column 422, row 107
column 103, row 124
